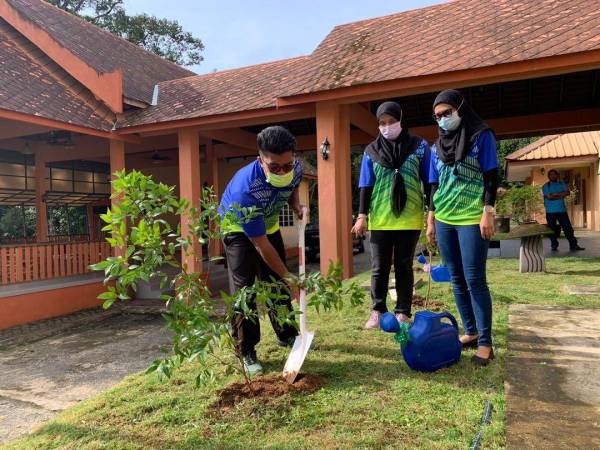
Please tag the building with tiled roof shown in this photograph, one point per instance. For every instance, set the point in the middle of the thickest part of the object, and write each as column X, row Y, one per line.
column 77, row 103
column 575, row 156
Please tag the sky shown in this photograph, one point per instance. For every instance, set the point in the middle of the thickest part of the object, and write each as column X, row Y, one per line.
column 239, row 33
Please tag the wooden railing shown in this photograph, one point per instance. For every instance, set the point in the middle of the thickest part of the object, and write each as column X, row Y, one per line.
column 58, row 238
column 43, row 261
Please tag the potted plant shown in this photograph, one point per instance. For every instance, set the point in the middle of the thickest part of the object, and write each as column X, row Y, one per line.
column 503, row 210
column 521, row 203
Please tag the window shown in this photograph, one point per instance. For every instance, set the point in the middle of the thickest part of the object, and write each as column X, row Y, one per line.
column 17, row 222
column 67, row 221
column 286, row 217
column 577, row 185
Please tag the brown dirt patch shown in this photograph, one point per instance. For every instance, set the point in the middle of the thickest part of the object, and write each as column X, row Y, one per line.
column 433, row 305
column 265, row 387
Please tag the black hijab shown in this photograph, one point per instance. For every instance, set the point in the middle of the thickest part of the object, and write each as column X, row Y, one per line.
column 453, row 146
column 393, row 154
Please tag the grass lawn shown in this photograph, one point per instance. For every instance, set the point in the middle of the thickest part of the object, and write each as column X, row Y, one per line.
column 371, row 399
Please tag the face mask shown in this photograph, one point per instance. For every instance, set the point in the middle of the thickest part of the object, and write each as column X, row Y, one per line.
column 280, row 181
column 391, row 132
column 450, row 123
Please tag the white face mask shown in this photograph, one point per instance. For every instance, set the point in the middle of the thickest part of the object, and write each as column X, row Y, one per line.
column 391, row 132
column 450, row 123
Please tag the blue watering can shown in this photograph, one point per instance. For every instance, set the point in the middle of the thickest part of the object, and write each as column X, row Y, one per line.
column 429, row 344
column 439, row 274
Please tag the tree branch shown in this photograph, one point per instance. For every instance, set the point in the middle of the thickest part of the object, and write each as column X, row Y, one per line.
column 108, row 11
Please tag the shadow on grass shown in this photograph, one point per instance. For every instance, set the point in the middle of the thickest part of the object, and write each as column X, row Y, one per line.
column 82, row 436
column 589, row 273
column 501, row 299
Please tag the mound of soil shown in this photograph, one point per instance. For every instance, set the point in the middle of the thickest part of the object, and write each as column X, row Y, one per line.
column 265, row 387
column 432, row 305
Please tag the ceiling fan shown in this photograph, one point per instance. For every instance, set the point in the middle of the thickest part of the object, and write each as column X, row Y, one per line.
column 157, row 158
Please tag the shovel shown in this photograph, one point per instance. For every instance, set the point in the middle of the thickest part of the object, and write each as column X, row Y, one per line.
column 304, row 339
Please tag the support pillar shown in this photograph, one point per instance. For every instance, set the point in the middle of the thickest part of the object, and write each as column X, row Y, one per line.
column 215, row 246
column 335, row 205
column 41, row 226
column 90, row 223
column 190, row 188
column 117, row 164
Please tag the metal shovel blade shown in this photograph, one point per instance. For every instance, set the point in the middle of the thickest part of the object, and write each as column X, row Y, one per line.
column 304, row 339
column 297, row 355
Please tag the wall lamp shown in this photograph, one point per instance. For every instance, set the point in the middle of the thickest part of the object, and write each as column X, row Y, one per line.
column 325, row 149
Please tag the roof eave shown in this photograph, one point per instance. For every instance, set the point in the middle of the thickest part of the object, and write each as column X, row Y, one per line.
column 526, row 69
column 108, row 87
column 52, row 123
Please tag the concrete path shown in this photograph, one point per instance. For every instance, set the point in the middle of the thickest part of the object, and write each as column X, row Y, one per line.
column 553, row 378
column 45, row 373
column 590, row 240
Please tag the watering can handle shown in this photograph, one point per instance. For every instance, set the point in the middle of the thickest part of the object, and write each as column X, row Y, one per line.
column 302, row 266
column 449, row 316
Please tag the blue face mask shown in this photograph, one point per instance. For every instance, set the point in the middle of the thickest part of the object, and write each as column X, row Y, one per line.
column 450, row 123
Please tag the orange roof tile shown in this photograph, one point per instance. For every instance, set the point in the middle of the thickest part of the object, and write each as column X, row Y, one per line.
column 102, row 50
column 244, row 89
column 33, row 84
column 559, row 146
column 458, row 35
column 461, row 34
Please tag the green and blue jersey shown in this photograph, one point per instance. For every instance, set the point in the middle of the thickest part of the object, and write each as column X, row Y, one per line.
column 460, row 193
column 249, row 188
column 414, row 171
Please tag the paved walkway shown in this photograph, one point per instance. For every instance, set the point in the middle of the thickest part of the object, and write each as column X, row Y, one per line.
column 590, row 240
column 51, row 365
column 553, row 378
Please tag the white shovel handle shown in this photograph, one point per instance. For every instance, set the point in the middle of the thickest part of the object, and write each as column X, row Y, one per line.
column 302, row 266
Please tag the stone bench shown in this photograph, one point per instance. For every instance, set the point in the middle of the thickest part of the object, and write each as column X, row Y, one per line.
column 531, row 249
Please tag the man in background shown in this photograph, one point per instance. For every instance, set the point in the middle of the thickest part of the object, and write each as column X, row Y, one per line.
column 555, row 192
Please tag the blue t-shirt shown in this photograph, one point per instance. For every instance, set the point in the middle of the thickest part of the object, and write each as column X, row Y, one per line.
column 459, row 197
column 249, row 188
column 554, row 205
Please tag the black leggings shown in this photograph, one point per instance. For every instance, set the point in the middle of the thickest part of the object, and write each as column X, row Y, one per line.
column 245, row 265
column 401, row 245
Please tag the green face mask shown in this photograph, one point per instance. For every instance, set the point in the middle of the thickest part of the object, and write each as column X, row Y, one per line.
column 280, row 181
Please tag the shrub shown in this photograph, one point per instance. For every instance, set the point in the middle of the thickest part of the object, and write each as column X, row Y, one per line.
column 200, row 326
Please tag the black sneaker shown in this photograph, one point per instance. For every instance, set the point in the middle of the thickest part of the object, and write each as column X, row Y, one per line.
column 288, row 342
column 251, row 364
column 577, row 248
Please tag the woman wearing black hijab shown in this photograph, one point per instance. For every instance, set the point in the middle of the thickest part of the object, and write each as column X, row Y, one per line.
column 464, row 178
column 394, row 172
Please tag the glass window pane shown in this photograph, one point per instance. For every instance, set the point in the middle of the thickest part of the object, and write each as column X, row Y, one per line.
column 12, row 182
column 83, row 187
column 78, row 219
column 102, row 188
column 30, row 220
column 62, row 174
column 101, row 177
column 58, row 221
column 63, row 186
column 83, row 176
column 12, row 169
column 11, row 222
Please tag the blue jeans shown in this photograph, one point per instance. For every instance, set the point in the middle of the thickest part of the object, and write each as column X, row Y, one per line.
column 465, row 253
